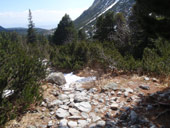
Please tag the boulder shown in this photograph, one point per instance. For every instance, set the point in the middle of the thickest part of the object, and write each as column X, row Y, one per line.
column 56, row 78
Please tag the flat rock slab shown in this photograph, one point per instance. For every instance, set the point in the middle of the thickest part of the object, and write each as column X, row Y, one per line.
column 83, row 106
column 111, row 86
column 72, row 124
column 74, row 112
column 61, row 113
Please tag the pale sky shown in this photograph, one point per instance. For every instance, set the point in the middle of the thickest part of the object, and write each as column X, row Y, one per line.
column 46, row 13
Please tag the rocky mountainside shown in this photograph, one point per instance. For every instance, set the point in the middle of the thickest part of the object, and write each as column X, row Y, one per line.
column 99, row 7
column 2, row 29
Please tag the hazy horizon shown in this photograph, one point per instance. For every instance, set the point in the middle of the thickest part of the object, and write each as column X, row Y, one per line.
column 46, row 14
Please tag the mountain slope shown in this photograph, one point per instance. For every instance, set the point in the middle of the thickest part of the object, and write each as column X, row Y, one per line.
column 2, row 29
column 23, row 31
column 100, row 7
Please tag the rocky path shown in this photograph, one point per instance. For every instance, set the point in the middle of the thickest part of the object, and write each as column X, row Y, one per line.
column 110, row 102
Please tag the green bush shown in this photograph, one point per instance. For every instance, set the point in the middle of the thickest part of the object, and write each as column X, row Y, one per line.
column 70, row 56
column 157, row 59
column 20, row 72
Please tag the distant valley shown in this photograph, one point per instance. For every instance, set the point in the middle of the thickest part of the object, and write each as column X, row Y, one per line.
column 23, row 31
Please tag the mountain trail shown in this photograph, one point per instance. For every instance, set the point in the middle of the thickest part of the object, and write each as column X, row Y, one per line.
column 88, row 100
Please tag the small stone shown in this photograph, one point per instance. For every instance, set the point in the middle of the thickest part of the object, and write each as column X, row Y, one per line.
column 31, row 126
column 65, row 107
column 50, row 123
column 72, row 124
column 80, row 97
column 84, row 115
column 149, row 107
column 63, row 122
column 94, row 117
column 129, row 99
column 61, row 113
column 111, row 86
column 101, row 100
column 129, row 90
column 83, row 106
column 101, row 123
column 82, row 123
column 52, row 113
column 114, row 106
column 146, row 78
column 43, row 104
column 154, row 80
column 63, row 97
column 74, row 112
column 144, row 87
column 126, row 94
column 74, row 117
column 112, row 92
column 133, row 117
column 55, row 103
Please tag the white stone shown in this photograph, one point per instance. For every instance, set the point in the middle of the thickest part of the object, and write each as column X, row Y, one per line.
column 63, row 97
column 55, row 103
column 126, row 94
column 84, row 106
column 74, row 112
column 63, row 122
column 101, row 123
column 82, row 123
column 74, row 117
column 64, row 107
column 84, row 115
column 146, row 78
column 114, row 106
column 129, row 90
column 61, row 113
column 72, row 124
column 80, row 97
column 50, row 123
column 94, row 117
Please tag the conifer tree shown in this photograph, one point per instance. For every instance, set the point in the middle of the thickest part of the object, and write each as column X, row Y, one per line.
column 154, row 16
column 105, row 27
column 31, row 35
column 65, row 31
column 81, row 35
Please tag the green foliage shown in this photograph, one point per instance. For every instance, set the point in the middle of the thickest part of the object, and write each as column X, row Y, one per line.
column 65, row 31
column 105, row 27
column 31, row 35
column 154, row 16
column 81, row 35
column 157, row 59
column 20, row 72
column 70, row 56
